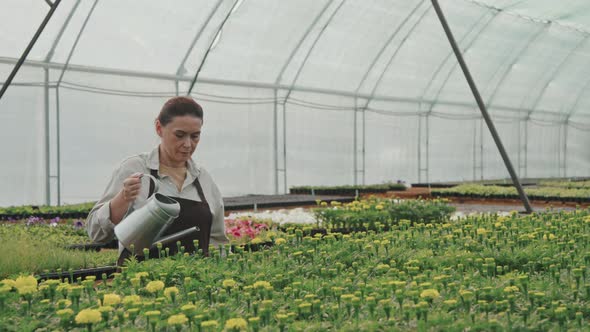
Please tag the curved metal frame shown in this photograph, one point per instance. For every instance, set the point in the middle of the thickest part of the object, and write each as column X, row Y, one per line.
column 311, row 48
column 180, row 69
column 450, row 54
column 301, row 40
column 386, row 45
column 194, row 81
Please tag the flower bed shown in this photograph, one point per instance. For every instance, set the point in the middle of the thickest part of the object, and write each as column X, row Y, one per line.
column 36, row 245
column 485, row 273
column 347, row 190
column 549, row 193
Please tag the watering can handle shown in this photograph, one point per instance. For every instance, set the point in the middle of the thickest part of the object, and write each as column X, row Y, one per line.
column 156, row 187
column 156, row 182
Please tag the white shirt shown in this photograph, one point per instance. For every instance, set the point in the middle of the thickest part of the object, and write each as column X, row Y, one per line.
column 99, row 225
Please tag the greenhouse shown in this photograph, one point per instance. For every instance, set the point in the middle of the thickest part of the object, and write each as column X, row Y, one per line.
column 424, row 164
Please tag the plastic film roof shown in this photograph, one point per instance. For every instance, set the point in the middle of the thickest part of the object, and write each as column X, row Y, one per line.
column 296, row 92
column 527, row 57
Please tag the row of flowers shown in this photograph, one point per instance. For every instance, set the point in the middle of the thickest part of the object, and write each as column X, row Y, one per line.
column 484, row 272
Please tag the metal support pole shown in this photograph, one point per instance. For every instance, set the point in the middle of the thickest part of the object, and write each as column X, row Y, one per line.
column 355, row 145
column 275, row 119
column 482, row 107
column 58, row 152
column 29, row 47
column 47, row 148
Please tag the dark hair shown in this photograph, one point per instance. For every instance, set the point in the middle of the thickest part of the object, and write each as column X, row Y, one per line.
column 179, row 106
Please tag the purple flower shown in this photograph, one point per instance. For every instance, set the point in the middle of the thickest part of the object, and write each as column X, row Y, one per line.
column 79, row 224
column 34, row 221
column 54, row 220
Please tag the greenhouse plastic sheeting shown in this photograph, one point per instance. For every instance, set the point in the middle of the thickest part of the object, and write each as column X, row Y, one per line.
column 304, row 92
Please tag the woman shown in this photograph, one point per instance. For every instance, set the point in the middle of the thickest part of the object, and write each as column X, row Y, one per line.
column 179, row 127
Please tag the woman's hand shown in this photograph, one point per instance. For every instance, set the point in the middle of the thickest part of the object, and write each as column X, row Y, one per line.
column 131, row 187
column 120, row 203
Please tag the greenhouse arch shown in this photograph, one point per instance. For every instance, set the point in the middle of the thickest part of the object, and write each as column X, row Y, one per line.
column 295, row 93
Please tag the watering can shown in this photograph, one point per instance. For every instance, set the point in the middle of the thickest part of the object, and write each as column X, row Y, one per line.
column 144, row 227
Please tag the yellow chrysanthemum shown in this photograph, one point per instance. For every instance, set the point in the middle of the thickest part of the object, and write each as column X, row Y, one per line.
column 511, row 289
column 177, row 319
column 262, row 284
column 152, row 313
column 154, row 286
column 65, row 313
column 25, row 281
column 280, row 241
column 111, row 299
column 9, row 282
column 88, row 316
column 5, row 289
column 105, row 308
column 25, row 290
column 229, row 283
column 131, row 299
column 209, row 323
column 236, row 324
column 171, row 291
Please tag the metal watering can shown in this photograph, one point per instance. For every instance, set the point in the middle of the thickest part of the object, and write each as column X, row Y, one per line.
column 144, row 227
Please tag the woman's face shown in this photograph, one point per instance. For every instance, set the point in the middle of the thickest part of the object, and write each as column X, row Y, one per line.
column 179, row 137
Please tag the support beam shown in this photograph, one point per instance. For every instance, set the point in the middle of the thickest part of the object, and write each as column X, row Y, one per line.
column 482, row 107
column 22, row 58
column 180, row 70
column 217, row 35
column 310, row 50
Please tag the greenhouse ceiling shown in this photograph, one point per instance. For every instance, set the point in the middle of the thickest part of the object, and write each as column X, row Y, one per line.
column 530, row 59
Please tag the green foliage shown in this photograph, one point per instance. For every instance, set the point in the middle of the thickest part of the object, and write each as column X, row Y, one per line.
column 348, row 190
column 29, row 210
column 483, row 273
column 556, row 192
column 35, row 249
column 381, row 213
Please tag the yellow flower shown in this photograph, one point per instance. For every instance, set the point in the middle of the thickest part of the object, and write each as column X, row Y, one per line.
column 88, row 316
column 111, row 300
column 280, row 241
column 129, row 299
column 5, row 289
column 466, row 295
column 430, row 294
column 511, row 289
column 63, row 303
column 236, row 324
column 481, row 231
column 28, row 281
column 105, row 308
column 9, row 282
column 152, row 313
column 262, row 284
column 154, row 286
column 142, row 274
column 65, row 313
column 229, row 283
column 257, row 240
column 189, row 309
column 171, row 291
column 25, row 290
column 177, row 319
column 209, row 323
column 379, row 207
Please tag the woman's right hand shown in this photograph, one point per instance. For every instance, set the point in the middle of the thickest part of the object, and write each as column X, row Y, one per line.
column 131, row 187
column 121, row 202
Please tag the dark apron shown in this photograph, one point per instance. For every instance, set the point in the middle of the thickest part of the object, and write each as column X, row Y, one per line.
column 192, row 213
